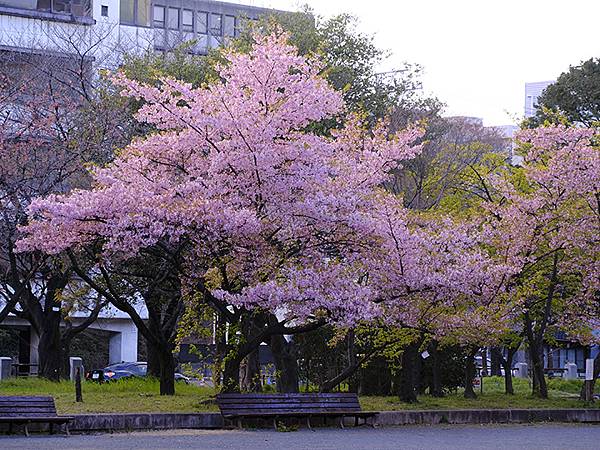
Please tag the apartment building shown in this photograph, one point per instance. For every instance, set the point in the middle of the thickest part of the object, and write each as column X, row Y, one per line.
column 103, row 29
column 532, row 92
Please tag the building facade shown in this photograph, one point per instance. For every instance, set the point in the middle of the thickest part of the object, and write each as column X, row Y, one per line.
column 532, row 92
column 106, row 28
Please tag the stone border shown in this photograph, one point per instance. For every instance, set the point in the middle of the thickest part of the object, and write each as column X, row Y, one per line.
column 144, row 421
column 486, row 416
column 157, row 421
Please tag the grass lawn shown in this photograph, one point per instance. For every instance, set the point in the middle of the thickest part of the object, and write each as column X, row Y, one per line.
column 141, row 395
column 135, row 395
column 561, row 393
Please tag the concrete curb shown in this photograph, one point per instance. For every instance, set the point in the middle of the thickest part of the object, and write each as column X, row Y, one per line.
column 158, row 421
column 145, row 421
column 489, row 416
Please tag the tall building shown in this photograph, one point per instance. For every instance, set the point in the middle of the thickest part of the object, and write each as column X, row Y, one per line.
column 532, row 92
column 110, row 26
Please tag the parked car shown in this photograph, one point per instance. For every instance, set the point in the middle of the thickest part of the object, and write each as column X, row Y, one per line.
column 123, row 370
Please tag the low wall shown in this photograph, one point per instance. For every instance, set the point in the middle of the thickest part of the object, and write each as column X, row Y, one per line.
column 157, row 421
column 482, row 416
column 147, row 421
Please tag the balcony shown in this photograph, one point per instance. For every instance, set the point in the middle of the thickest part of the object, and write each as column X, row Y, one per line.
column 77, row 11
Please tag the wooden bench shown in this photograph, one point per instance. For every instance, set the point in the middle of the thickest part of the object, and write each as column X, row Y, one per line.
column 275, row 406
column 26, row 410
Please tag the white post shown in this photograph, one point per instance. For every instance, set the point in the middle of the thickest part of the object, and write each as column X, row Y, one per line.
column 589, row 380
column 5, row 367
column 571, row 371
column 74, row 363
column 522, row 370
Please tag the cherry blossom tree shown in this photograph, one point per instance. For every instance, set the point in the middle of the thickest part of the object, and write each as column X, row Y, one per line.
column 542, row 221
column 270, row 217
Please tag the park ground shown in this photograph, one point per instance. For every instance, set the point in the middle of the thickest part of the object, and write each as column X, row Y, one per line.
column 455, row 437
column 141, row 395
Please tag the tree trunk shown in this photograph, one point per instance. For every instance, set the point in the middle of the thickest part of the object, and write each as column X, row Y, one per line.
column 65, row 350
column 49, row 349
column 507, row 366
column 250, row 373
column 536, row 355
column 231, row 373
column 435, row 389
column 286, row 364
column 153, row 360
column 470, row 372
column 495, row 369
column 167, row 370
column 408, row 390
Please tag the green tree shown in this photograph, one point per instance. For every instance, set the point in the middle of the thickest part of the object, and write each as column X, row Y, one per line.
column 575, row 96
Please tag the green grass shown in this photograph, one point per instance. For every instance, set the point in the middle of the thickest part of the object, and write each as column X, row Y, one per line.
column 561, row 393
column 135, row 395
column 141, row 395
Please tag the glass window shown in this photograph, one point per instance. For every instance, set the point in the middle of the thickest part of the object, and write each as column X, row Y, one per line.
column 202, row 22
column 143, row 13
column 229, row 26
column 215, row 24
column 173, row 18
column 127, row 11
column 159, row 16
column 187, row 20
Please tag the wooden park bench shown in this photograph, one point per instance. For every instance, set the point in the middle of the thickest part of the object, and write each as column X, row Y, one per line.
column 276, row 406
column 27, row 410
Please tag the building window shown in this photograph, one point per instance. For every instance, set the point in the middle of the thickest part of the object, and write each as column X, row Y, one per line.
column 187, row 20
column 216, row 25
column 202, row 22
column 127, row 11
column 143, row 12
column 159, row 16
column 104, row 11
column 229, row 26
column 173, row 18
column 135, row 12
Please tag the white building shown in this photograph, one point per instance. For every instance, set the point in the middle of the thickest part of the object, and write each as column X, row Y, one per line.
column 532, row 92
column 107, row 28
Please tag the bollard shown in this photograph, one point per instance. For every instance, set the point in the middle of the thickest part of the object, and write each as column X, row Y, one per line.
column 589, row 380
column 570, row 371
column 522, row 370
column 78, row 395
column 74, row 363
column 5, row 367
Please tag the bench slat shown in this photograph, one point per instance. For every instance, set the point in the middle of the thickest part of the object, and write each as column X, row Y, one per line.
column 231, row 401
column 289, row 395
column 290, row 406
column 290, row 412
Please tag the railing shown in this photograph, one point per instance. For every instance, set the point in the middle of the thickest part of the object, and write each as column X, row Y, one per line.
column 77, row 8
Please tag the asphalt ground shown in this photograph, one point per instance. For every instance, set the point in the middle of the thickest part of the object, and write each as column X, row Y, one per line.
column 509, row 437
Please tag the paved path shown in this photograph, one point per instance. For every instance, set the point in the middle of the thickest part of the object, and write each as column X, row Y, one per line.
column 451, row 437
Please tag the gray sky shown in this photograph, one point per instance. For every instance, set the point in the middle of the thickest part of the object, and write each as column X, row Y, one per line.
column 477, row 54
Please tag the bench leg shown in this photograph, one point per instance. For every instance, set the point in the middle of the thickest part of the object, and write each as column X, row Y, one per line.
column 342, row 422
column 26, row 430
column 308, row 423
column 239, row 423
column 51, row 428
column 67, row 429
column 275, row 424
column 356, row 421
